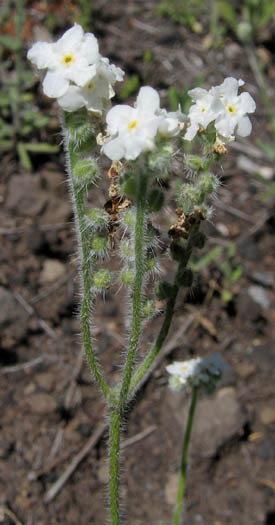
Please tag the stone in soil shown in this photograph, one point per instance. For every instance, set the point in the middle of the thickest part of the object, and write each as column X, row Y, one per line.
column 52, row 270
column 11, row 313
column 40, row 403
column 25, row 195
column 259, row 296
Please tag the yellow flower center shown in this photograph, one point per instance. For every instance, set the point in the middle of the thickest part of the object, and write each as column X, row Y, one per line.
column 132, row 125
column 184, row 367
column 203, row 109
column 231, row 109
column 68, row 59
column 90, row 85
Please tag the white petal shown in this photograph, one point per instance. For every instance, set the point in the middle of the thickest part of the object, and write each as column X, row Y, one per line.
column 80, row 73
column 169, row 127
column 41, row 54
column 72, row 100
column 191, row 131
column 118, row 117
column 71, row 38
column 89, row 48
column 113, row 149
column 244, row 127
column 148, row 99
column 246, row 103
column 229, row 87
column 226, row 124
column 197, row 93
column 54, row 84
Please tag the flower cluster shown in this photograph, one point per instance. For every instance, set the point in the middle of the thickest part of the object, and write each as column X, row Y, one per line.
column 77, row 75
column 132, row 130
column 223, row 106
column 198, row 372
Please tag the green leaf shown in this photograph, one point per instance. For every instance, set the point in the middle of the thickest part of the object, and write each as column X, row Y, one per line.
column 9, row 42
column 207, row 259
column 228, row 13
column 6, row 144
column 236, row 274
column 129, row 88
column 226, row 296
column 24, row 158
column 41, row 147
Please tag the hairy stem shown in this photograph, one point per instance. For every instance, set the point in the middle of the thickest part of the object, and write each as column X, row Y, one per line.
column 148, row 360
column 78, row 199
column 177, row 520
column 137, row 292
column 114, row 455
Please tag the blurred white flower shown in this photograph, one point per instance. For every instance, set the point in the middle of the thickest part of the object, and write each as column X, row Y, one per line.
column 133, row 130
column 96, row 92
column 196, row 372
column 71, row 59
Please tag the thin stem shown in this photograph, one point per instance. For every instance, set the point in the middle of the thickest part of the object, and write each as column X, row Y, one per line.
column 84, row 256
column 137, row 292
column 148, row 360
column 145, row 365
column 114, row 455
column 177, row 520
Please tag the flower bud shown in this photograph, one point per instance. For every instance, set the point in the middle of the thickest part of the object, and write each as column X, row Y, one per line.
column 102, row 279
column 126, row 249
column 128, row 276
column 80, row 128
column 96, row 218
column 155, row 200
column 148, row 308
column 177, row 251
column 244, row 32
column 193, row 162
column 207, row 183
column 129, row 219
column 99, row 244
column 184, row 277
column 199, row 240
column 85, row 172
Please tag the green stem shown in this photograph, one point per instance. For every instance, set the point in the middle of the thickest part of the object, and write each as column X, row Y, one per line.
column 148, row 360
column 114, row 455
column 84, row 256
column 137, row 291
column 145, row 365
column 177, row 520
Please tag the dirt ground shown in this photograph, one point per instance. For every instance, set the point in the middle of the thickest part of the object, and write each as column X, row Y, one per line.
column 50, row 406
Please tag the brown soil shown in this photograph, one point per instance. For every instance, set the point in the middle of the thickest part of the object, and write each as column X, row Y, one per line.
column 50, row 409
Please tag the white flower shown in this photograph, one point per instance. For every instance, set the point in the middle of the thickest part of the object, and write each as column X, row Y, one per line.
column 196, row 372
column 204, row 111
column 71, row 59
column 233, row 115
column 96, row 92
column 223, row 105
column 133, row 130
column 172, row 123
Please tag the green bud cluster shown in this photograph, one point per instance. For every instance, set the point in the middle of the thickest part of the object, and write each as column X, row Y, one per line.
column 148, row 309
column 126, row 249
column 101, row 279
column 97, row 218
column 178, row 252
column 85, row 172
column 129, row 219
column 193, row 163
column 99, row 244
column 159, row 160
column 128, row 276
column 81, row 131
column 193, row 195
